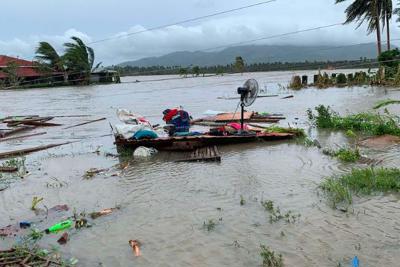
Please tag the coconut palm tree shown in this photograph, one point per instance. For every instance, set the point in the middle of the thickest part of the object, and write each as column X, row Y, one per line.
column 366, row 10
column 46, row 54
column 387, row 11
column 79, row 58
column 49, row 60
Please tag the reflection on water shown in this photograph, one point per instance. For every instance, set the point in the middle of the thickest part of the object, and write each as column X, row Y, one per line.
column 164, row 204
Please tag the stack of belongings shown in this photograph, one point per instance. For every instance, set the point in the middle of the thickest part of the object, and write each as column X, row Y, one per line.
column 177, row 120
column 232, row 128
column 134, row 126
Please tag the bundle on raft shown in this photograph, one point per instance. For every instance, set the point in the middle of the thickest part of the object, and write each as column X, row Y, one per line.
column 249, row 116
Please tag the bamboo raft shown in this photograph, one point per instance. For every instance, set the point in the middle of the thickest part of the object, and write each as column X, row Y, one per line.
column 207, row 154
column 190, row 143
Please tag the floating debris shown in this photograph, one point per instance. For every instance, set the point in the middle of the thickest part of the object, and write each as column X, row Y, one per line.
column 63, row 239
column 93, row 172
column 24, row 257
column 135, row 245
column 95, row 215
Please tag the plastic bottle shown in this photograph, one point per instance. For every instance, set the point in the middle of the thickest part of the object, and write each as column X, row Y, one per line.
column 355, row 262
column 59, row 227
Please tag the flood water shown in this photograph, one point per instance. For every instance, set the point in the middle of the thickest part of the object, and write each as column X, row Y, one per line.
column 164, row 204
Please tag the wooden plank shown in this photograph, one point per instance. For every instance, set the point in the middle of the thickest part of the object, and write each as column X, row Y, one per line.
column 25, row 151
column 8, row 169
column 84, row 123
column 16, row 130
column 21, row 136
column 206, row 154
column 233, row 116
column 41, row 123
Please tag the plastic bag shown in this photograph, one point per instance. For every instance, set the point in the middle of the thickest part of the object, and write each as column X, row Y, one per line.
column 128, row 117
column 144, row 152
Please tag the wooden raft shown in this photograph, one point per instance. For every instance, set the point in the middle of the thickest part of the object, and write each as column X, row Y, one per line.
column 208, row 154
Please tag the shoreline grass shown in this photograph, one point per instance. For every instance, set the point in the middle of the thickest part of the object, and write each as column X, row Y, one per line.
column 368, row 123
column 361, row 182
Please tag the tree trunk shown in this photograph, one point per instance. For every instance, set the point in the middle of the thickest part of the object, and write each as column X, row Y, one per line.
column 387, row 31
column 378, row 29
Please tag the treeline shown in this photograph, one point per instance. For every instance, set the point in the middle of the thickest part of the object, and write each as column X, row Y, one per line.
column 256, row 67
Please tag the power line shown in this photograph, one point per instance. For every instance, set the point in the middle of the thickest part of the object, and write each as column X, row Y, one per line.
column 183, row 21
column 274, row 36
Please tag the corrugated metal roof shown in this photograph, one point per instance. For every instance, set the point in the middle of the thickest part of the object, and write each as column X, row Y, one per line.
column 25, row 68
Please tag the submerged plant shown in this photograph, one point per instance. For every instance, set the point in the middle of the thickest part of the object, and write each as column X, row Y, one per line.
column 344, row 154
column 276, row 214
column 35, row 202
column 210, row 225
column 35, row 235
column 242, row 201
column 368, row 123
column 269, row 258
column 361, row 181
column 18, row 163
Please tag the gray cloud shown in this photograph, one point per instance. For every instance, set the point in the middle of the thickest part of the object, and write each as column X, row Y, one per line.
column 276, row 18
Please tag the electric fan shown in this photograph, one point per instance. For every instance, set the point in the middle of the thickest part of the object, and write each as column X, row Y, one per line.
column 248, row 94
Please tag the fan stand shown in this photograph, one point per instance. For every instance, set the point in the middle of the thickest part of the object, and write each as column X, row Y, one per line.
column 242, row 114
column 243, row 92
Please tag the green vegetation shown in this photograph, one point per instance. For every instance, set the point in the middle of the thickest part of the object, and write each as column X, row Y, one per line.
column 295, row 83
column 256, row 67
column 16, row 163
column 372, row 12
column 76, row 63
column 196, row 71
column 35, row 235
column 276, row 215
column 344, row 154
column 210, row 225
column 277, row 129
column 239, row 64
column 11, row 70
column 36, row 256
column 242, row 201
column 385, row 103
column 341, row 79
column 361, row 181
column 367, row 123
column 269, row 258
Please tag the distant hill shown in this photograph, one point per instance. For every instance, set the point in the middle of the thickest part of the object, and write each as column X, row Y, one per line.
column 258, row 54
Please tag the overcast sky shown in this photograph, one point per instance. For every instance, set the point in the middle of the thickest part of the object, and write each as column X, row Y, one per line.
column 26, row 22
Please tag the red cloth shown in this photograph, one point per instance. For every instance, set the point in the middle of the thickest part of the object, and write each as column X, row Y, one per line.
column 167, row 117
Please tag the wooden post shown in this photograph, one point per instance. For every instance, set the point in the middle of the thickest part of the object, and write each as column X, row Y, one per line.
column 304, row 80
column 316, row 78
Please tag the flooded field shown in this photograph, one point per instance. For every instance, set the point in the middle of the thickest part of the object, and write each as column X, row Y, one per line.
column 165, row 204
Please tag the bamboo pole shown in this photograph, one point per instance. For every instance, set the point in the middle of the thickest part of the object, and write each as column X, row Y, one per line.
column 25, row 151
column 84, row 123
column 21, row 136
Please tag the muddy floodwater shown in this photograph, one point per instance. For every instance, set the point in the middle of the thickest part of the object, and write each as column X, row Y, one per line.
column 164, row 204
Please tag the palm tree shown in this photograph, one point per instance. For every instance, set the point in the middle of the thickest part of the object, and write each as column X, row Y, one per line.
column 46, row 54
column 366, row 10
column 49, row 59
column 79, row 58
column 387, row 11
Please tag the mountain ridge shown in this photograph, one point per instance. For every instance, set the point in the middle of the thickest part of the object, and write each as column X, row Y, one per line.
column 258, row 54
